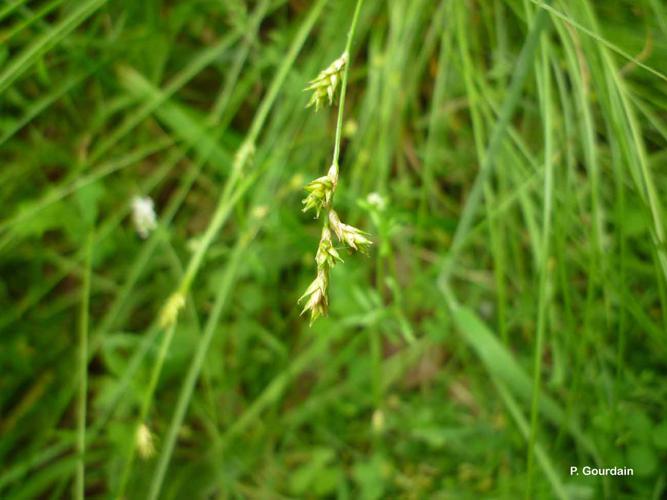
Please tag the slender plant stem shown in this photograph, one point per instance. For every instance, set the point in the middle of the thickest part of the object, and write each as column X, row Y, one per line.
column 498, row 133
column 343, row 86
column 244, row 154
column 320, row 305
column 41, row 44
column 603, row 41
column 434, row 126
column 545, row 94
column 341, row 110
column 164, row 349
column 83, row 373
column 230, row 195
column 145, row 406
column 197, row 363
column 227, row 200
column 9, row 7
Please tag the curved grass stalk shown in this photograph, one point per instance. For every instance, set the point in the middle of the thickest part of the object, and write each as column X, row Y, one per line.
column 31, row 54
column 9, row 7
column 79, row 485
column 235, row 187
column 544, row 86
column 145, row 407
column 174, row 303
column 606, row 43
column 25, row 23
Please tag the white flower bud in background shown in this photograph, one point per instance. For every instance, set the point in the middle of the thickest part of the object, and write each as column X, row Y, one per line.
column 143, row 215
column 296, row 182
column 376, row 200
column 193, row 244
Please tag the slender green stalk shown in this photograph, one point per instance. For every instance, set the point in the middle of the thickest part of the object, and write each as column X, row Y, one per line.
column 10, row 6
column 231, row 194
column 343, row 86
column 323, row 189
column 31, row 54
column 79, row 487
column 544, row 82
column 164, row 349
column 37, row 16
column 539, row 23
column 145, row 407
column 243, row 155
column 246, row 151
column 197, row 363
column 550, row 471
column 434, row 125
column 475, row 104
column 232, row 75
column 598, row 38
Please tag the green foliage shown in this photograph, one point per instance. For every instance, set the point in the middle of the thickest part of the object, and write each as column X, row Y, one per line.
column 507, row 160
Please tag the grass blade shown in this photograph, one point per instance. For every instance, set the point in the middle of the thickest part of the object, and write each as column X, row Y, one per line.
column 79, row 492
column 42, row 44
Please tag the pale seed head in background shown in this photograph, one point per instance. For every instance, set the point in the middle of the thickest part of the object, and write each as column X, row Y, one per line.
column 144, row 441
column 171, row 308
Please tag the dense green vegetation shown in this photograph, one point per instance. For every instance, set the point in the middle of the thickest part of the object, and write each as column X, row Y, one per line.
column 507, row 158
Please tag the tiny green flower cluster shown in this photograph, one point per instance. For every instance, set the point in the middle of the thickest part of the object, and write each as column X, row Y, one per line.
column 349, row 235
column 320, row 191
column 315, row 296
column 324, row 85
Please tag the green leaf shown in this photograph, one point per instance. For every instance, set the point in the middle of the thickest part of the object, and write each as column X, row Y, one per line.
column 316, row 476
column 643, row 460
column 660, row 436
column 369, row 475
column 87, row 198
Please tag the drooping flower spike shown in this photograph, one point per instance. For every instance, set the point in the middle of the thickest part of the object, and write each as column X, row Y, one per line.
column 315, row 296
column 321, row 191
column 320, row 197
column 350, row 235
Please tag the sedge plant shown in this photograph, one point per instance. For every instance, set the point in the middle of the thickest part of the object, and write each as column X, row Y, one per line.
column 321, row 190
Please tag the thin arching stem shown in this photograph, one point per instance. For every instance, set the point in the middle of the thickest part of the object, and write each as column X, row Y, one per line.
column 343, row 86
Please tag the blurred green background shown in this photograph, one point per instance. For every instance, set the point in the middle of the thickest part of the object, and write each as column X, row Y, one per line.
column 507, row 158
